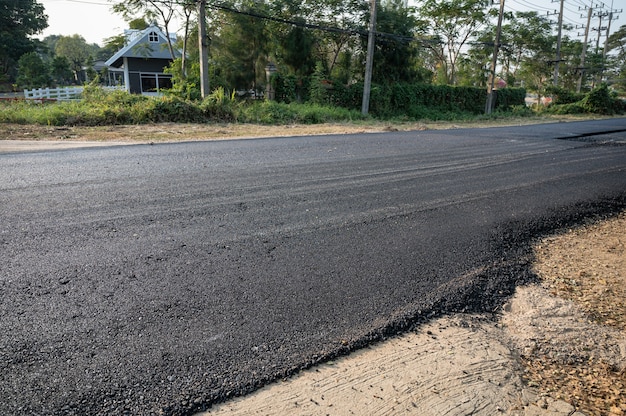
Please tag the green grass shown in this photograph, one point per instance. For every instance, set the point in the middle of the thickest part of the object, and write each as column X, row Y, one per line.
column 100, row 108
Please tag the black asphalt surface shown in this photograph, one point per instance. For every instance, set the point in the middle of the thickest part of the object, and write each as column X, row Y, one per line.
column 158, row 279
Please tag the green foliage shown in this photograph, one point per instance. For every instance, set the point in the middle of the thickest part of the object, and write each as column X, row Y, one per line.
column 288, row 88
column 520, row 111
column 507, row 98
column 173, row 110
column 565, row 109
column 19, row 21
column 32, row 71
column 318, row 93
column 77, row 52
column 598, row 101
column 563, row 96
column 186, row 86
column 60, row 71
column 219, row 107
column 415, row 100
column 271, row 112
column 99, row 107
column 452, row 23
column 394, row 57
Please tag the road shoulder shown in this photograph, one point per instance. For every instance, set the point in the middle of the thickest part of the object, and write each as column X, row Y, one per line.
column 469, row 364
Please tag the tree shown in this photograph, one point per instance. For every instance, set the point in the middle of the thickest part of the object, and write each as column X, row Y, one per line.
column 77, row 52
column 19, row 20
column 452, row 23
column 617, row 46
column 338, row 50
column 60, row 70
column 396, row 49
column 240, row 46
column 150, row 10
column 571, row 51
column 294, row 45
column 32, row 71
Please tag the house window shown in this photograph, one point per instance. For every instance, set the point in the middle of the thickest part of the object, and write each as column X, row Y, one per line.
column 153, row 37
column 154, row 83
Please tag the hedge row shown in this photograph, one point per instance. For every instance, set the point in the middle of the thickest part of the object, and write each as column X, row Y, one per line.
column 401, row 99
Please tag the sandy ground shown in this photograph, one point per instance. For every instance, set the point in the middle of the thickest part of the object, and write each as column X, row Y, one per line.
column 537, row 359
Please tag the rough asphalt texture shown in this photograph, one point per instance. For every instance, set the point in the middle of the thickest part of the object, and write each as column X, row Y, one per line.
column 160, row 279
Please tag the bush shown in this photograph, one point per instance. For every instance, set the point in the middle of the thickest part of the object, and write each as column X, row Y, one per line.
column 565, row 109
column 562, row 96
column 173, row 110
column 219, row 107
column 271, row 112
column 408, row 99
column 601, row 101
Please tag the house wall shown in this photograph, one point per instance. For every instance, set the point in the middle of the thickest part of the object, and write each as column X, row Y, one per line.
column 138, row 67
column 147, row 65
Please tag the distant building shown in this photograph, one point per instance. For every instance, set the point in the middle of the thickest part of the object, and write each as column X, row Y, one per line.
column 142, row 61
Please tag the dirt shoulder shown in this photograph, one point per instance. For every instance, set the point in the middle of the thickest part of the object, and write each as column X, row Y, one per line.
column 172, row 132
column 558, row 349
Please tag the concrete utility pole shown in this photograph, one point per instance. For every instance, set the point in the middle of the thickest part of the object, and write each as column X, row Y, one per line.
column 558, row 46
column 369, row 64
column 584, row 54
column 612, row 11
column 204, row 49
column 600, row 15
column 494, row 62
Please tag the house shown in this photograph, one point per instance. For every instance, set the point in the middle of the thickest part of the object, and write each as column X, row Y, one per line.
column 143, row 59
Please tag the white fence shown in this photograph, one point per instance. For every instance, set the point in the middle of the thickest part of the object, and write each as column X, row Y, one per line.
column 60, row 94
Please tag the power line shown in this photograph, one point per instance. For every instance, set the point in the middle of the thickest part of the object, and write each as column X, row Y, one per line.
column 357, row 32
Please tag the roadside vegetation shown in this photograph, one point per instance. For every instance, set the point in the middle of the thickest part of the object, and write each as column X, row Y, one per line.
column 431, row 62
column 402, row 103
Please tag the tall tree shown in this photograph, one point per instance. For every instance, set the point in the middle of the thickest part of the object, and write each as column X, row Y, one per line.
column 19, row 20
column 61, row 71
column 338, row 49
column 396, row 50
column 294, row 45
column 240, row 45
column 617, row 47
column 32, row 71
column 162, row 11
column 77, row 52
column 452, row 24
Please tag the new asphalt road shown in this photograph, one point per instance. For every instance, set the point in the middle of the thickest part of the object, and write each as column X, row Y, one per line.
column 158, row 279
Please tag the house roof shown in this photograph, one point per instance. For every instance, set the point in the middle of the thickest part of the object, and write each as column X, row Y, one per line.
column 139, row 45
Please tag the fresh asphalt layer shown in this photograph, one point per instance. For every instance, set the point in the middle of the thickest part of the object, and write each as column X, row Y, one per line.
column 158, row 279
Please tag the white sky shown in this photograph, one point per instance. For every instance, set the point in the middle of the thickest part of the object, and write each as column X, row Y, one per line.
column 94, row 21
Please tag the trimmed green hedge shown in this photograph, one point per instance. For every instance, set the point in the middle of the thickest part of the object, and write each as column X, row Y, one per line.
column 401, row 99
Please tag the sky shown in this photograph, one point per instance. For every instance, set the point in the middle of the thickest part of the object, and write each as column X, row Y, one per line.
column 94, row 21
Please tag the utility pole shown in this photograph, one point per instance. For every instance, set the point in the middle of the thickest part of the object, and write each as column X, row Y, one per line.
column 612, row 11
column 583, row 56
column 494, row 62
column 558, row 46
column 600, row 28
column 204, row 49
column 369, row 64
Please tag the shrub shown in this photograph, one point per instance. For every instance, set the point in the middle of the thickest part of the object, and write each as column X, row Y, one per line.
column 599, row 101
column 562, row 96
column 219, row 107
column 174, row 110
column 565, row 109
